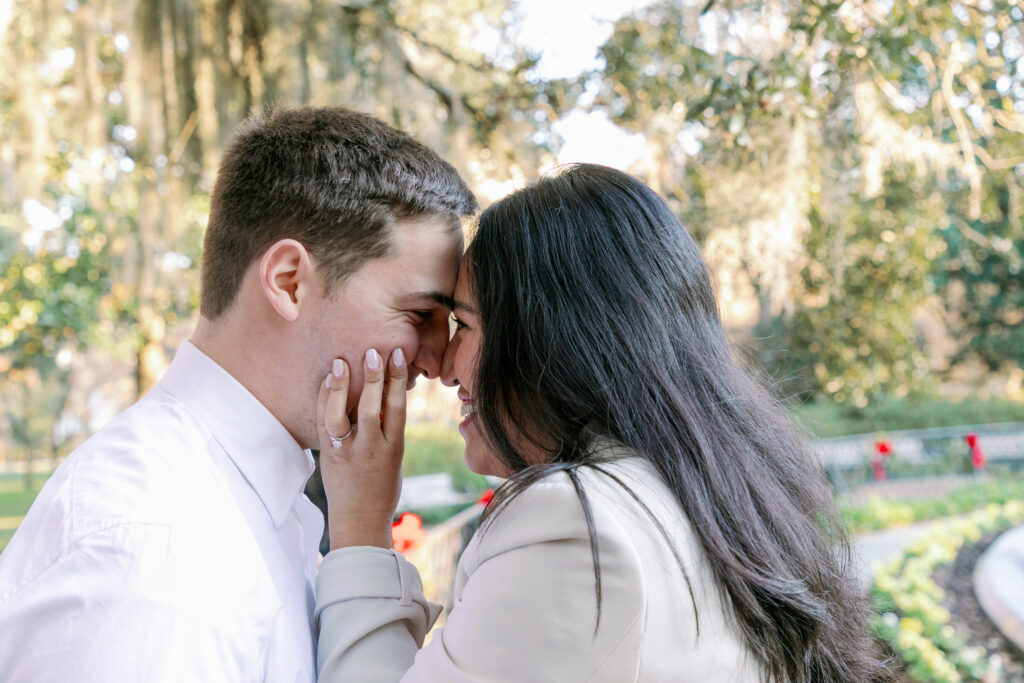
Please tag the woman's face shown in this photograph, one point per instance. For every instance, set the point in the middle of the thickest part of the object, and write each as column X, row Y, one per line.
column 458, row 368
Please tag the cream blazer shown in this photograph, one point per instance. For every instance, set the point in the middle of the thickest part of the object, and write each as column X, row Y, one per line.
column 525, row 601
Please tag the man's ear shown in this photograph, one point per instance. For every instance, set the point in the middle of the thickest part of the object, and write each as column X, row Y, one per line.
column 287, row 277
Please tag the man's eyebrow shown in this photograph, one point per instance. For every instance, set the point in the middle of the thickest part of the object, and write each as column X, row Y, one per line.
column 435, row 296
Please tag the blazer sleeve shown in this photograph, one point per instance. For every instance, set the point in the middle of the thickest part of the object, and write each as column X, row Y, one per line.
column 528, row 610
column 372, row 615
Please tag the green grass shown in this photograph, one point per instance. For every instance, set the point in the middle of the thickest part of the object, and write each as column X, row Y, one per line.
column 16, row 503
column 828, row 419
column 15, row 500
column 879, row 514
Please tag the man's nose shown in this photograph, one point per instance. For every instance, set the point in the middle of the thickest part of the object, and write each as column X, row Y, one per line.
column 431, row 352
column 448, row 364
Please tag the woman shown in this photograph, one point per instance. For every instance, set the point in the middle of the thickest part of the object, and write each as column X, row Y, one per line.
column 662, row 520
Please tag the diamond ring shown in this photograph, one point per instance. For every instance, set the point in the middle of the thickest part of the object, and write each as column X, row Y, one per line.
column 337, row 441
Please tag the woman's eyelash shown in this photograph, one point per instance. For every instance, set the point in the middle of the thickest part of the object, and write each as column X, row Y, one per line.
column 459, row 325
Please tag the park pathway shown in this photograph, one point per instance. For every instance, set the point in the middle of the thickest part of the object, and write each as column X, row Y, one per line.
column 879, row 546
column 998, row 578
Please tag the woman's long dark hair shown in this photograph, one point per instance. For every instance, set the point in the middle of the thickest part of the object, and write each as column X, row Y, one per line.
column 599, row 320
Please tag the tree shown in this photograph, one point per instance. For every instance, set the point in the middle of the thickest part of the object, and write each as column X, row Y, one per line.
column 981, row 276
column 819, row 150
column 118, row 112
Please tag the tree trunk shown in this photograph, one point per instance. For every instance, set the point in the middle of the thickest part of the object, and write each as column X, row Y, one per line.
column 93, row 123
column 209, row 100
column 144, row 79
column 30, row 483
column 255, row 24
column 33, row 143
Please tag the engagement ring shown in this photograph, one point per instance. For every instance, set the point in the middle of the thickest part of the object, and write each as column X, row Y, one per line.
column 337, row 441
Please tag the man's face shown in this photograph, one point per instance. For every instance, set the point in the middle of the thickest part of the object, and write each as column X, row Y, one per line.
column 400, row 300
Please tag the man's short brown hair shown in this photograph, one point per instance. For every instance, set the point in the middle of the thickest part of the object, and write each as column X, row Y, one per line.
column 331, row 178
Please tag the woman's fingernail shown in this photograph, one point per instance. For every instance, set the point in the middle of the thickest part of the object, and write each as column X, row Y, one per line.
column 338, row 367
column 373, row 359
column 327, row 382
column 398, row 357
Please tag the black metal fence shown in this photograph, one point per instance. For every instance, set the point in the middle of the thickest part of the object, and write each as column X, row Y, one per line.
column 850, row 461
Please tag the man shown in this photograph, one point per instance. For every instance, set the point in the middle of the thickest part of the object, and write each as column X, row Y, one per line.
column 176, row 544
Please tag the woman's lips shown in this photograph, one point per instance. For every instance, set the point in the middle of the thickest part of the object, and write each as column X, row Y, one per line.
column 468, row 412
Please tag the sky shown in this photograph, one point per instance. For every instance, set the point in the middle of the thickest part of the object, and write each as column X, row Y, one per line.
column 567, row 34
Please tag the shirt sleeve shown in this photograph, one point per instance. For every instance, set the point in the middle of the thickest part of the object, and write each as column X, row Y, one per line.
column 527, row 611
column 104, row 610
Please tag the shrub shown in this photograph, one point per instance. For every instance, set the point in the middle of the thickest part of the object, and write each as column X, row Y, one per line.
column 912, row 616
column 828, row 419
column 881, row 514
column 432, row 448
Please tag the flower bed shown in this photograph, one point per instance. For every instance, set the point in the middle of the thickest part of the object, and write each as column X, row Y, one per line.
column 912, row 615
column 879, row 513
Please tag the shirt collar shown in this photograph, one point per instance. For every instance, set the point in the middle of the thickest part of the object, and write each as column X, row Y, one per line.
column 273, row 463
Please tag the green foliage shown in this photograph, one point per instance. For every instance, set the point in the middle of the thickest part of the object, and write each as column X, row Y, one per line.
column 57, row 296
column 981, row 275
column 438, row 515
column 431, row 448
column 880, row 513
column 116, row 120
column 827, row 419
column 908, row 121
column 53, row 293
column 859, row 164
column 850, row 336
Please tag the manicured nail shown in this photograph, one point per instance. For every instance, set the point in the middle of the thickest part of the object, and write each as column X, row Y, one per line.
column 373, row 359
column 398, row 357
column 327, row 382
column 338, row 367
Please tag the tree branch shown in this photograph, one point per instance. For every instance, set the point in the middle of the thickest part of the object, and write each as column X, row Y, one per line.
column 971, row 169
column 996, row 164
column 446, row 97
column 434, row 46
column 1009, row 121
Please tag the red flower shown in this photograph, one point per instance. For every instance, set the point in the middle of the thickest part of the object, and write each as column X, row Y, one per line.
column 883, row 449
column 977, row 456
column 407, row 533
column 486, row 497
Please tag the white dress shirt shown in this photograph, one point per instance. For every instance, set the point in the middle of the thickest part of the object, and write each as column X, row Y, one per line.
column 174, row 545
column 525, row 602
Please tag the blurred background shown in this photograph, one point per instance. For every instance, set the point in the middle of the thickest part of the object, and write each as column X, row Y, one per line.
column 853, row 170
